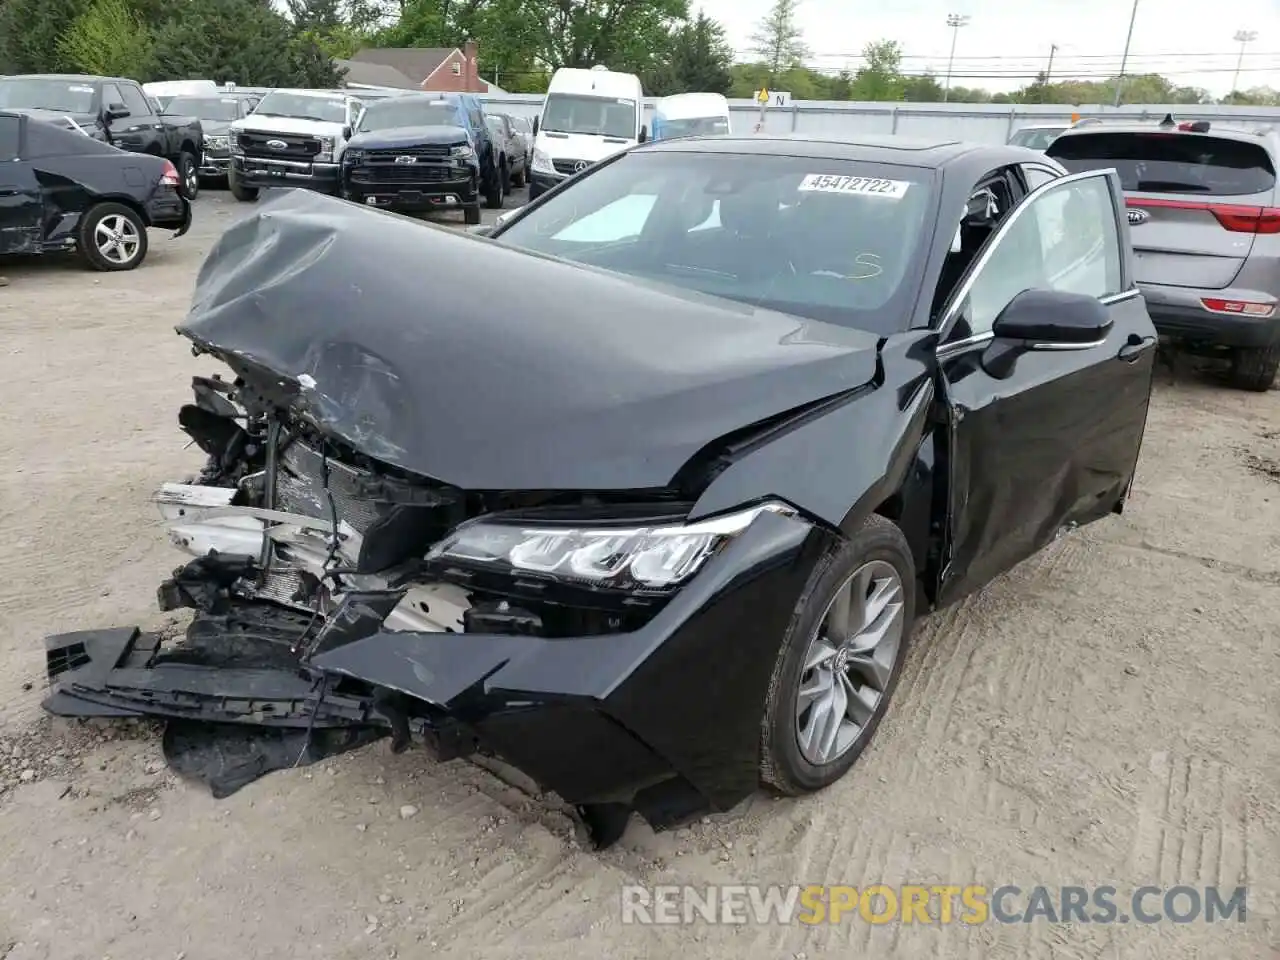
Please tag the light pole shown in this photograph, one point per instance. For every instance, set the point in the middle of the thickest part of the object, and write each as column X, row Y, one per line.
column 1124, row 60
column 955, row 21
column 1244, row 38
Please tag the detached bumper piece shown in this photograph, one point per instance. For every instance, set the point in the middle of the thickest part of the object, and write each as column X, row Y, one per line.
column 228, row 724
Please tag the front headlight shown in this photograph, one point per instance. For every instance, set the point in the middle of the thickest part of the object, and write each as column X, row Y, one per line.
column 461, row 152
column 326, row 150
column 216, row 143
column 542, row 162
column 656, row 557
column 353, row 156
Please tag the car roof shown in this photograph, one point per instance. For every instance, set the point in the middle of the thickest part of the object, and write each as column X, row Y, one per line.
column 1222, row 132
column 930, row 154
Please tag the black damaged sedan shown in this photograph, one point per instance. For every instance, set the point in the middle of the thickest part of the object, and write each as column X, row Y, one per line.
column 659, row 535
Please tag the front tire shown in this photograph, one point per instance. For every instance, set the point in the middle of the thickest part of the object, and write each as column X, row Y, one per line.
column 1255, row 369
column 840, row 660
column 112, row 237
column 240, row 191
column 189, row 175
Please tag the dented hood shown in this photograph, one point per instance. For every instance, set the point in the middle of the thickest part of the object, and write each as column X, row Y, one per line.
column 482, row 366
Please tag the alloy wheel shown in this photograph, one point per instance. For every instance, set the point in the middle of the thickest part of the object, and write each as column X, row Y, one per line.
column 192, row 184
column 849, row 663
column 117, row 239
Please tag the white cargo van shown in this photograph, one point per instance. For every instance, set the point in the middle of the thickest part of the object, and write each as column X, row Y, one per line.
column 690, row 115
column 588, row 115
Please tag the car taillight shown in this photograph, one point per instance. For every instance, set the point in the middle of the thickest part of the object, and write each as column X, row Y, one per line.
column 1237, row 218
column 170, row 175
column 1246, row 307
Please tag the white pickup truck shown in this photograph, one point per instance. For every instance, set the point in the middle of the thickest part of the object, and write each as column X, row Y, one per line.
column 294, row 138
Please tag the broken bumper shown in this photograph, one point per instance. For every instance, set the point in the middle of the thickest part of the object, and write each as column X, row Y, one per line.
column 664, row 719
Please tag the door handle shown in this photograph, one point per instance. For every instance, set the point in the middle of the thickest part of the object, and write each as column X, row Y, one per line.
column 1136, row 347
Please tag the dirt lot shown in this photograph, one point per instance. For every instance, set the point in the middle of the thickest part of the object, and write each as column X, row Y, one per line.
column 1106, row 713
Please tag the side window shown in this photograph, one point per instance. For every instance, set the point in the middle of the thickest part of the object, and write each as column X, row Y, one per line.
column 111, row 95
column 10, row 129
column 1037, row 176
column 135, row 100
column 1066, row 239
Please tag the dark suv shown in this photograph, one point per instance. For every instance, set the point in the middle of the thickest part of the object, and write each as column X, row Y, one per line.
column 423, row 152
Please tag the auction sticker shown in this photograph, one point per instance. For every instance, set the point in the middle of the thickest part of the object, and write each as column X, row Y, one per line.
column 862, row 186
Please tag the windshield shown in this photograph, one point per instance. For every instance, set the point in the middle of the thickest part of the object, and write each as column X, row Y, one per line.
column 205, row 108
column 828, row 239
column 302, row 107
column 67, row 96
column 1035, row 139
column 599, row 116
column 664, row 129
column 1171, row 162
column 390, row 115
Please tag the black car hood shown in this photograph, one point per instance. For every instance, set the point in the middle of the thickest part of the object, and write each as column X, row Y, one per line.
column 215, row 128
column 407, row 137
column 489, row 368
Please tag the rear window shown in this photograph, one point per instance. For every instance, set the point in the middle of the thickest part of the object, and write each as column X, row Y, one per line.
column 1171, row 162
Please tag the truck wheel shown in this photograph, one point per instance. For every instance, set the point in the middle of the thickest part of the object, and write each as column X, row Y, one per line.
column 518, row 179
column 1255, row 368
column 189, row 175
column 239, row 191
column 471, row 214
column 496, row 191
column 112, row 237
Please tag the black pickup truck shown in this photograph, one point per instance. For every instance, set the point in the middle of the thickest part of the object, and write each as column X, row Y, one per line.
column 116, row 111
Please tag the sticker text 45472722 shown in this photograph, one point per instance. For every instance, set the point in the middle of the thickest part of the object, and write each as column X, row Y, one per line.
column 861, row 186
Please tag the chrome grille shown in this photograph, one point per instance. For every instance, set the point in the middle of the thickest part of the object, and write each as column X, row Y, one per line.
column 295, row 147
column 407, row 173
column 431, row 150
column 567, row 166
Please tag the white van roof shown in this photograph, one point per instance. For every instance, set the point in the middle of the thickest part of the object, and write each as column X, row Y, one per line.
column 689, row 106
column 597, row 82
column 177, row 88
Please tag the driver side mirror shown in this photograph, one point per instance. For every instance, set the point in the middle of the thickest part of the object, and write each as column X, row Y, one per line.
column 346, row 132
column 644, row 135
column 116, row 111
column 1044, row 320
column 535, row 126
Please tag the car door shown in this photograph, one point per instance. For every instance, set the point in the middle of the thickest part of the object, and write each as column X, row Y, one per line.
column 133, row 132
column 1054, row 443
column 21, row 202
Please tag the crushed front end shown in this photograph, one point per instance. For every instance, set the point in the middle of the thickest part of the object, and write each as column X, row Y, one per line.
column 337, row 600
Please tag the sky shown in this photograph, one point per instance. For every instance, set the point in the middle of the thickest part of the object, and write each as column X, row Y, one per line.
column 1006, row 42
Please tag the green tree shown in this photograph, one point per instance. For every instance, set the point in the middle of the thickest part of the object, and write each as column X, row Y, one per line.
column 880, row 78
column 245, row 41
column 30, row 31
column 779, row 41
column 924, row 88
column 701, row 57
column 108, row 39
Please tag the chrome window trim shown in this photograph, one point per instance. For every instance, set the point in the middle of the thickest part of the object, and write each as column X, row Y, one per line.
column 960, row 346
column 958, row 298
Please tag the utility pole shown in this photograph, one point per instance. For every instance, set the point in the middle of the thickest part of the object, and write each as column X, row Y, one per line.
column 1124, row 60
column 955, row 21
column 1244, row 38
column 1048, row 70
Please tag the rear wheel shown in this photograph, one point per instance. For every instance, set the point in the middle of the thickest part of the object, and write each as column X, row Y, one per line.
column 112, row 237
column 189, row 175
column 240, row 191
column 496, row 190
column 1255, row 368
column 518, row 179
column 840, row 660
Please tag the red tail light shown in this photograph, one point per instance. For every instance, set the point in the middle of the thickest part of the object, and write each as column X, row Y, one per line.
column 1247, row 307
column 1234, row 217
column 170, row 175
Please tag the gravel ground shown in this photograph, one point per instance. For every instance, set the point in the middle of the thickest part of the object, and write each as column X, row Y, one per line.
column 1104, row 714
